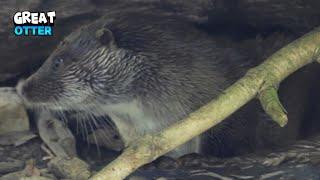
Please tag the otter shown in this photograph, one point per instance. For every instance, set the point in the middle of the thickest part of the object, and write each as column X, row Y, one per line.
column 146, row 71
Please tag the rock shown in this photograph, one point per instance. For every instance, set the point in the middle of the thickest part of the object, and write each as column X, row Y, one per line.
column 45, row 173
column 56, row 135
column 21, row 176
column 166, row 163
column 191, row 160
column 36, row 178
column 16, row 138
column 30, row 172
column 74, row 168
column 13, row 115
column 137, row 178
column 12, row 176
column 31, row 169
column 8, row 167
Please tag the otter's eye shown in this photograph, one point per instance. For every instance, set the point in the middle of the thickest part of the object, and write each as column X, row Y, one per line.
column 57, row 62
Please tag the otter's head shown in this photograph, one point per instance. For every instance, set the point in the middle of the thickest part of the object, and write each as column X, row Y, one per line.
column 87, row 66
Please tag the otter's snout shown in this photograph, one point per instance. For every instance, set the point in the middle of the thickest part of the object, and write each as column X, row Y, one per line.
column 22, row 89
column 38, row 89
column 19, row 87
column 27, row 91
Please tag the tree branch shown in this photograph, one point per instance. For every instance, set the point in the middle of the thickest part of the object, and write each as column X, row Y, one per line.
column 272, row 106
column 257, row 81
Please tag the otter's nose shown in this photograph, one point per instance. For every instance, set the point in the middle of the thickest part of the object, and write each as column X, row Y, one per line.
column 21, row 88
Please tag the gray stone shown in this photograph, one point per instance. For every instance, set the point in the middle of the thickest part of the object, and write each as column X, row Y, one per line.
column 74, row 168
column 13, row 115
column 8, row 167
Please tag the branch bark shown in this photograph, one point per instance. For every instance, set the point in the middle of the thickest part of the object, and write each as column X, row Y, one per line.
column 257, row 81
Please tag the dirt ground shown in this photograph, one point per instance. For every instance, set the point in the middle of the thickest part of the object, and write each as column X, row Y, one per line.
column 298, row 161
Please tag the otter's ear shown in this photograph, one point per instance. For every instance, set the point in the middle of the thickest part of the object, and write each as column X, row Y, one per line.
column 105, row 36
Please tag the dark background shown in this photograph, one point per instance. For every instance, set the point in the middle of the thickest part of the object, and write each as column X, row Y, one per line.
column 271, row 24
column 258, row 27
